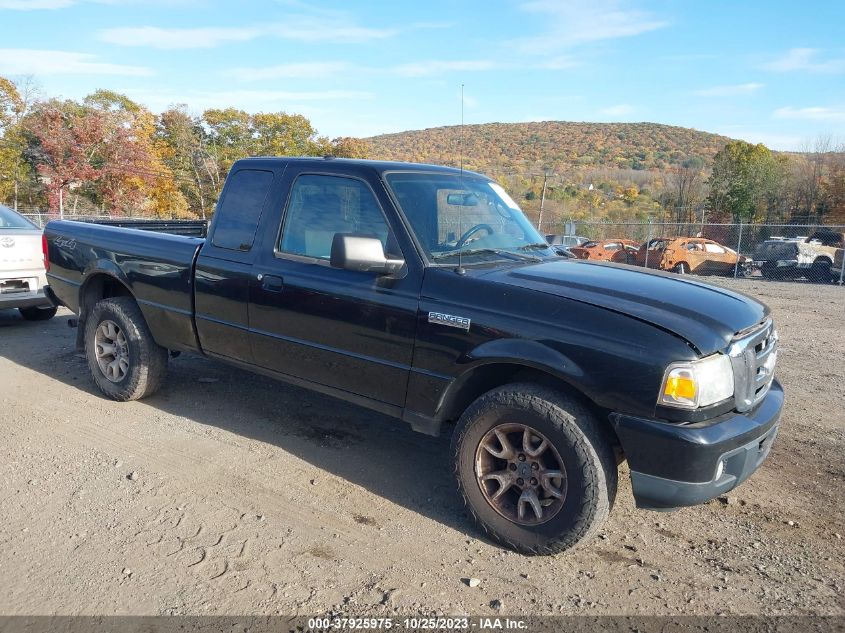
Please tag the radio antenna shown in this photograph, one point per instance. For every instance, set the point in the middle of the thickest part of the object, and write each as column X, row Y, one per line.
column 460, row 269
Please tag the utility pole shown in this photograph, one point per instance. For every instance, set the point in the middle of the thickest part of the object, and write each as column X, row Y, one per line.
column 542, row 201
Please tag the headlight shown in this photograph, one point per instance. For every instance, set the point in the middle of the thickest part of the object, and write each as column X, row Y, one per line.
column 698, row 383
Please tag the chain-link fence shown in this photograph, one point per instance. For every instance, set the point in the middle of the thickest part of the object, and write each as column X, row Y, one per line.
column 770, row 249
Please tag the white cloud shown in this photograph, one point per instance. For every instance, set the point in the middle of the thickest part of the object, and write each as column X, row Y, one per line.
column 302, row 29
column 729, row 91
column 580, row 21
column 428, row 68
column 321, row 30
column 33, row 5
column 806, row 59
column 621, row 109
column 815, row 113
column 28, row 61
column 168, row 39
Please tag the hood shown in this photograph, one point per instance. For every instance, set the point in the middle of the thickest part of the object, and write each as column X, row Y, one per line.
column 706, row 316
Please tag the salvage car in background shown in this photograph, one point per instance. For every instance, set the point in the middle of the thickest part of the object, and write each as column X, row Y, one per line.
column 568, row 241
column 614, row 250
column 697, row 255
column 811, row 257
column 22, row 267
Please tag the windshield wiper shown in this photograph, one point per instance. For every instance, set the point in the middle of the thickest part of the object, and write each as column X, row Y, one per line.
column 488, row 251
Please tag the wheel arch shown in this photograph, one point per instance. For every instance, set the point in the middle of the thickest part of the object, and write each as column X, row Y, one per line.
column 507, row 361
column 101, row 282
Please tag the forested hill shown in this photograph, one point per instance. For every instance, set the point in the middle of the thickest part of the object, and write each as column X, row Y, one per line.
column 551, row 145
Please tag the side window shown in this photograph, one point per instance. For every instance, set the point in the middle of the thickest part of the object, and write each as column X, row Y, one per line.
column 612, row 246
column 322, row 206
column 240, row 210
column 714, row 248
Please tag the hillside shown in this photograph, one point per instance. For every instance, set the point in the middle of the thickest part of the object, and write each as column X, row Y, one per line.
column 554, row 145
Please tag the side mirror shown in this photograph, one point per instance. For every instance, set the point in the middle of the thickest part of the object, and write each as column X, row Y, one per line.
column 364, row 254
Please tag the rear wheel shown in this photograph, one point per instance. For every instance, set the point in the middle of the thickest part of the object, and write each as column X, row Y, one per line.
column 38, row 314
column 534, row 469
column 124, row 359
column 820, row 271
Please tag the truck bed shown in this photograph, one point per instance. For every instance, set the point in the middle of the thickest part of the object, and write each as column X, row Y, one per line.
column 157, row 268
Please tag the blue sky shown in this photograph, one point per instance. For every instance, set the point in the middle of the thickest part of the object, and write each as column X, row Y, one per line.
column 765, row 71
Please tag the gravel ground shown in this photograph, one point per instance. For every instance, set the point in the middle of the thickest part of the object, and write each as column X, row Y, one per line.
column 228, row 493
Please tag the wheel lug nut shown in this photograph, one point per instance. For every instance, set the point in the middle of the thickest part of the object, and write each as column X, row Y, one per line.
column 512, row 466
column 521, row 457
column 535, row 466
column 520, row 482
column 533, row 481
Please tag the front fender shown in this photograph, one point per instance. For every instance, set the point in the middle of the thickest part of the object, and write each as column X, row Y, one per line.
column 511, row 355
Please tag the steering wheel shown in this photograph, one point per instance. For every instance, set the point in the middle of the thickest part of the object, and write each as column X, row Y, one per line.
column 468, row 234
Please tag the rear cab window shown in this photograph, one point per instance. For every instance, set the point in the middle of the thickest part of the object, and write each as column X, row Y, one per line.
column 239, row 212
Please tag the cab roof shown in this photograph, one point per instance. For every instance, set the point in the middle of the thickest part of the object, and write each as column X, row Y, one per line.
column 380, row 166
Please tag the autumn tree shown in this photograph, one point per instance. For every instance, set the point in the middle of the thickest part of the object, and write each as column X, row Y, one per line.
column 348, row 147
column 64, row 141
column 182, row 146
column 16, row 101
column 685, row 185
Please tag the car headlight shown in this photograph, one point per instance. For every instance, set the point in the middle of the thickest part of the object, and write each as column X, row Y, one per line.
column 699, row 383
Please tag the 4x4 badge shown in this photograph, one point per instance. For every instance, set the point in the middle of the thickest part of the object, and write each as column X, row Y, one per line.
column 450, row 320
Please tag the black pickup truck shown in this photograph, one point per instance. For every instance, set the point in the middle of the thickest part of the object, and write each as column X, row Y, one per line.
column 423, row 292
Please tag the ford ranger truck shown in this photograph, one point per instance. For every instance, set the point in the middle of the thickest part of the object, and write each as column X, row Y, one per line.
column 424, row 293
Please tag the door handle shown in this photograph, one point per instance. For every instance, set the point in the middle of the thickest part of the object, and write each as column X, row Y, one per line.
column 271, row 283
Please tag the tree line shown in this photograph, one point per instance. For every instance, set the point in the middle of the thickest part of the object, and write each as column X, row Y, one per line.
column 109, row 154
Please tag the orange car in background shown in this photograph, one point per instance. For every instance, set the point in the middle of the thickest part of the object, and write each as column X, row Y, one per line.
column 613, row 250
column 691, row 255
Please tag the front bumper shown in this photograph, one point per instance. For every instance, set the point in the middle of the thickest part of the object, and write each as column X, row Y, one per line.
column 676, row 465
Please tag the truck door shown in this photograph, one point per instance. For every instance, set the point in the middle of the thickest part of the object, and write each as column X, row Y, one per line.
column 224, row 267
column 348, row 330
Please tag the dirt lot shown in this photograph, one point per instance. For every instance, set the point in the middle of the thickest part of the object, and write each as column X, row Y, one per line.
column 228, row 493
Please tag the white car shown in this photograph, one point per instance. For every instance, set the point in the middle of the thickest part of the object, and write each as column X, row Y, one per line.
column 23, row 278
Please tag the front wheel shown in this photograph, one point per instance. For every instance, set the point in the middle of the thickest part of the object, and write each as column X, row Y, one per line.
column 681, row 269
column 38, row 314
column 124, row 359
column 534, row 469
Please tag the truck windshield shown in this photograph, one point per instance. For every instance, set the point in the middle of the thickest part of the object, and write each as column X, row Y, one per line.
column 469, row 216
column 11, row 220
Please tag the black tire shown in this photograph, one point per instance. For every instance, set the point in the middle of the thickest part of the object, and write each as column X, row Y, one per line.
column 681, row 269
column 38, row 314
column 770, row 272
column 585, row 451
column 820, row 271
column 147, row 361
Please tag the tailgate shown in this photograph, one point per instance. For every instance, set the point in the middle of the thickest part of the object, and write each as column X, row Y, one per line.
column 20, row 251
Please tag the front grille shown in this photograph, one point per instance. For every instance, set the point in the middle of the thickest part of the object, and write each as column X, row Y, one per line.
column 753, row 355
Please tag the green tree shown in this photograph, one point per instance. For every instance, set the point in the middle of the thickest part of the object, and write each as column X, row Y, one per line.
column 745, row 180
